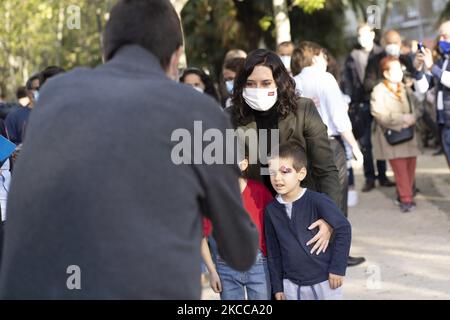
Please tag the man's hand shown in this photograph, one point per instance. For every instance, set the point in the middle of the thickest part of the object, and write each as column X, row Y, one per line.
column 358, row 160
column 335, row 281
column 280, row 296
column 422, row 59
column 322, row 238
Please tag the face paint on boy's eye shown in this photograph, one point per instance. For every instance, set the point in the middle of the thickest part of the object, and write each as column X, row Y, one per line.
column 285, row 169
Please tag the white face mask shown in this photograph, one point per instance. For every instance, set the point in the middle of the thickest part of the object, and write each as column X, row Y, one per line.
column 393, row 50
column 286, row 61
column 365, row 41
column 396, row 76
column 260, row 99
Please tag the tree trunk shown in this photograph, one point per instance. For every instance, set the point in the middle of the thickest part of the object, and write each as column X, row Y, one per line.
column 179, row 5
column 282, row 22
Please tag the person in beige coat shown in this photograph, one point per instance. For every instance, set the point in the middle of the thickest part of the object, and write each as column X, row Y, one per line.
column 392, row 109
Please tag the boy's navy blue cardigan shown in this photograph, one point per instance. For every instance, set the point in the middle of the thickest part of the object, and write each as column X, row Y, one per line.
column 288, row 255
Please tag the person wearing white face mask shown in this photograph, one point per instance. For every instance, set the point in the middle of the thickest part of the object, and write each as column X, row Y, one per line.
column 285, row 50
column 359, row 108
column 392, row 106
column 392, row 43
column 309, row 63
column 264, row 98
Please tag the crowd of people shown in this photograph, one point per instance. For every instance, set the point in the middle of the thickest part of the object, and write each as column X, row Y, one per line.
column 103, row 193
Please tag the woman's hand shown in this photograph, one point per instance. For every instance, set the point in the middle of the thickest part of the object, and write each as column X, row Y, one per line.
column 408, row 120
column 322, row 238
column 215, row 283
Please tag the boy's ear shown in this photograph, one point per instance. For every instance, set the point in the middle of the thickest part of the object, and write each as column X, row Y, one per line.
column 302, row 174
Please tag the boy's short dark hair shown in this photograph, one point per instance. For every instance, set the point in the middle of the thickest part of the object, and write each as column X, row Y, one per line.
column 292, row 150
column 151, row 24
column 303, row 56
column 21, row 93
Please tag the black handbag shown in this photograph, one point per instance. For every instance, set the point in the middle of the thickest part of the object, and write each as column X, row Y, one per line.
column 394, row 137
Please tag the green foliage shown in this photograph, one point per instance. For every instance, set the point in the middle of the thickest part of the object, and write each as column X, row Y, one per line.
column 309, row 6
column 34, row 34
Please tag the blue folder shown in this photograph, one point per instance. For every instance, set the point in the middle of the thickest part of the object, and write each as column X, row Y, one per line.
column 6, row 149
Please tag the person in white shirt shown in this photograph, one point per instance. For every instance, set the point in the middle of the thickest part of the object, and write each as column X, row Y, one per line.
column 309, row 65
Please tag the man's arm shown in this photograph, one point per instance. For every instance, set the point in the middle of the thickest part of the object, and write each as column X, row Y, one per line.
column 320, row 154
column 442, row 75
column 235, row 234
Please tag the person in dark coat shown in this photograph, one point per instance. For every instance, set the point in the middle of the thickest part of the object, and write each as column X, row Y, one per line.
column 98, row 208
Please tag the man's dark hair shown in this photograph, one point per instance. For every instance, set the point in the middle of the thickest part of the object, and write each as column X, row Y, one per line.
column 50, row 72
column 235, row 64
column 151, row 24
column 303, row 56
column 21, row 93
column 292, row 150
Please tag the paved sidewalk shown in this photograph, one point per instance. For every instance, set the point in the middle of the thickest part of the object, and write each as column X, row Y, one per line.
column 408, row 255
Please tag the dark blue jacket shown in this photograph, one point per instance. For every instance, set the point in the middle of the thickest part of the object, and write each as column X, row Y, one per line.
column 288, row 255
column 16, row 123
column 443, row 116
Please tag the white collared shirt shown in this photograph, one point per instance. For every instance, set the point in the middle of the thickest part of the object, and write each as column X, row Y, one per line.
column 319, row 85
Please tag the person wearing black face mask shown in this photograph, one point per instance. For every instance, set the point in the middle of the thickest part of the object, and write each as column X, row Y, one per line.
column 437, row 75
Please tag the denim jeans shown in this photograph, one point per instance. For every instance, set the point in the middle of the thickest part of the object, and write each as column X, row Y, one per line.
column 255, row 281
column 446, row 142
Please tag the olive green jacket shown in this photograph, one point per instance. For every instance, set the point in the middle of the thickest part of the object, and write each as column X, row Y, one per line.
column 306, row 128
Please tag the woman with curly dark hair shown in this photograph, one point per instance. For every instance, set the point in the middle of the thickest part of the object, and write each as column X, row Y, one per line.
column 264, row 97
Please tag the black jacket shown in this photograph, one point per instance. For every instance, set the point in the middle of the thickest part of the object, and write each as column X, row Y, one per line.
column 351, row 83
column 98, row 189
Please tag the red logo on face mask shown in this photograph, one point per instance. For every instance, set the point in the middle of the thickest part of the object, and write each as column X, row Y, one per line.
column 271, row 94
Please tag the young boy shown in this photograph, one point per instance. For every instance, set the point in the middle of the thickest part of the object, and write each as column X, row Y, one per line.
column 295, row 273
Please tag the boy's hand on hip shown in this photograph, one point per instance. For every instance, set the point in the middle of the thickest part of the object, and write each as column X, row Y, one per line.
column 335, row 281
column 280, row 296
